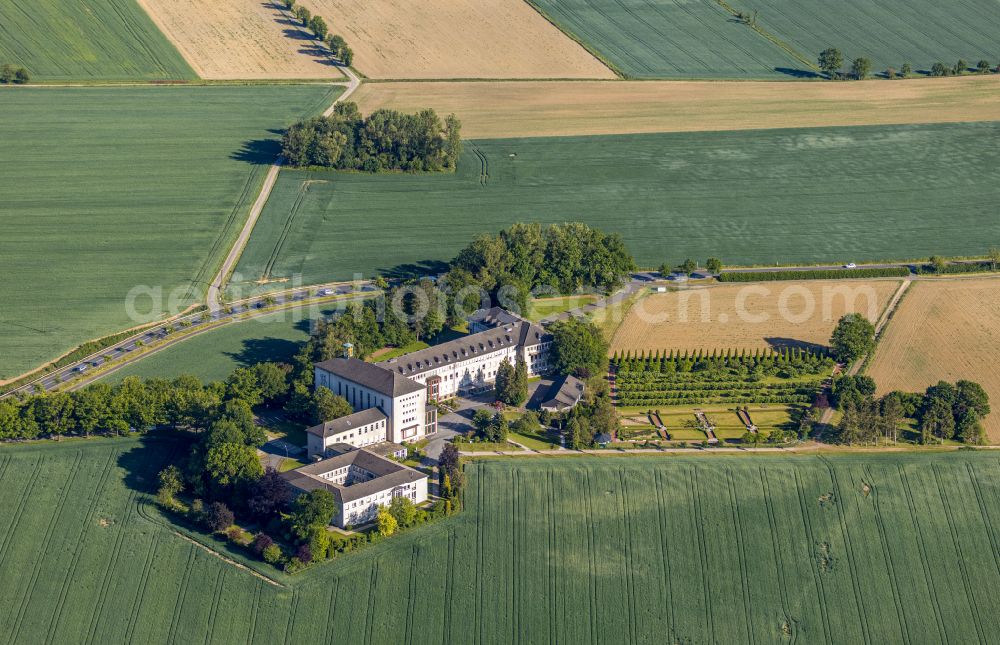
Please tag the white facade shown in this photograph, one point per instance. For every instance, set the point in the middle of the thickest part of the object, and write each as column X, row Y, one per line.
column 405, row 412
column 367, row 434
column 364, row 510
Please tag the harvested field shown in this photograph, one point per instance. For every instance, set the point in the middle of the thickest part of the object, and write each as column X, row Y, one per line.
column 61, row 40
column 748, row 317
column 455, row 39
column 944, row 330
column 824, row 195
column 240, row 39
column 125, row 190
column 530, row 108
column 838, row 549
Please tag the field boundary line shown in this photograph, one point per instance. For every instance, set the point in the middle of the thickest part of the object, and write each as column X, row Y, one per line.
column 887, row 554
column 817, row 577
column 371, row 604
column 579, row 41
column 984, row 511
column 220, row 584
column 959, row 552
column 140, row 592
column 18, row 512
column 81, row 537
column 664, row 560
column 112, row 566
column 778, row 560
column 292, row 611
column 411, row 589
column 331, row 624
column 592, row 559
column 629, row 558
column 706, row 585
column 228, row 560
column 928, row 576
column 851, row 560
column 46, row 542
column 449, row 590
column 181, row 597
column 741, row 552
column 791, row 51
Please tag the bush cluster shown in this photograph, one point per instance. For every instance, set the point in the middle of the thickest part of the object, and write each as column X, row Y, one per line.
column 819, row 274
column 384, row 140
column 15, row 75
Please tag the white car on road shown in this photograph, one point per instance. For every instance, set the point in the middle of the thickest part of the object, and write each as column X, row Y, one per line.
column 850, row 265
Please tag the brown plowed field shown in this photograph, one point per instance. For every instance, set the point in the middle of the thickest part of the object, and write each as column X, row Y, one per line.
column 528, row 109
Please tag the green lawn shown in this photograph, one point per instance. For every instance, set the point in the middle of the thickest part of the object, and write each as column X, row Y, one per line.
column 752, row 197
column 694, row 549
column 701, row 39
column 395, row 352
column 214, row 354
column 58, row 40
column 544, row 307
column 111, row 189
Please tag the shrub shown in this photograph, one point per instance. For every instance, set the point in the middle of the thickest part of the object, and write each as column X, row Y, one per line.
column 820, row 274
column 261, row 541
column 238, row 536
column 217, row 517
column 271, row 553
column 304, row 554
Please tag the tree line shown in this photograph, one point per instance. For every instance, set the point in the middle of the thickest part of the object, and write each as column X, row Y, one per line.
column 316, row 24
column 943, row 412
column 14, row 75
column 831, row 61
column 384, row 140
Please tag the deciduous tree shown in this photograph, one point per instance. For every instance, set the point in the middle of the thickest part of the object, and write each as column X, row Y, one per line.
column 830, row 61
column 853, row 337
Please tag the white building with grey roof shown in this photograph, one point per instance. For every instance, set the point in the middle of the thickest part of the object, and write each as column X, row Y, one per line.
column 360, row 481
column 401, row 388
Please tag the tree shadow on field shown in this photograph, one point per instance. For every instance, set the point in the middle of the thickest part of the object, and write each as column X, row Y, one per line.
column 269, row 350
column 155, row 451
column 779, row 343
column 259, row 152
column 295, row 31
column 415, row 269
column 798, row 73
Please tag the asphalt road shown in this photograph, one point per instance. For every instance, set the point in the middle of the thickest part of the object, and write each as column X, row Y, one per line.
column 80, row 372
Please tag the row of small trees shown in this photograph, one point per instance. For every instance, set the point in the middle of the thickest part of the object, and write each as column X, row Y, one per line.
column 15, row 75
column 831, row 61
column 318, row 26
column 689, row 266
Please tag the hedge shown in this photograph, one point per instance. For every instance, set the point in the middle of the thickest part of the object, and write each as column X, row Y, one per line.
column 819, row 274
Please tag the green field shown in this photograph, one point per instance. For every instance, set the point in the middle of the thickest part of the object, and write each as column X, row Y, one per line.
column 889, row 32
column 837, row 549
column 213, row 355
column 673, row 39
column 58, row 40
column 756, row 197
column 105, row 189
column 701, row 39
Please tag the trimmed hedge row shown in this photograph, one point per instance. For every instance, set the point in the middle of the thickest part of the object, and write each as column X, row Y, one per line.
column 819, row 274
